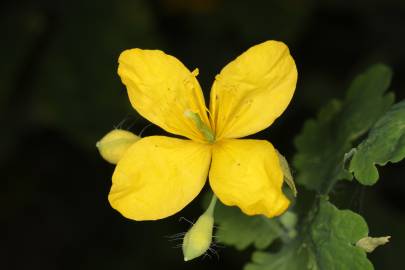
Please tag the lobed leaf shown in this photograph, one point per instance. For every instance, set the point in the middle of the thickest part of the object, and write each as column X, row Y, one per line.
column 292, row 257
column 329, row 242
column 385, row 143
column 324, row 141
column 334, row 234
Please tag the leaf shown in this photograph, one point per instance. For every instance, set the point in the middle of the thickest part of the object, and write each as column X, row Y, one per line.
column 293, row 257
column 239, row 230
column 334, row 234
column 329, row 242
column 324, row 141
column 385, row 143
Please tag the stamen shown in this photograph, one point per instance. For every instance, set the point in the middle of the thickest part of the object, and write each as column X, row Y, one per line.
column 195, row 72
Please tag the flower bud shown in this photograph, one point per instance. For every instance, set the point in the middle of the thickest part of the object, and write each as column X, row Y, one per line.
column 368, row 244
column 115, row 143
column 198, row 239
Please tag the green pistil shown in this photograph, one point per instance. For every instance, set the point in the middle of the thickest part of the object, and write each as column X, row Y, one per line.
column 202, row 127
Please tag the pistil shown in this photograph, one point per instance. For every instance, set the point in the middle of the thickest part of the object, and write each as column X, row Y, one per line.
column 201, row 126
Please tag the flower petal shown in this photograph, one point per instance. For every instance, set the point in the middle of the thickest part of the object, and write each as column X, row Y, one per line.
column 162, row 90
column 158, row 176
column 247, row 173
column 253, row 90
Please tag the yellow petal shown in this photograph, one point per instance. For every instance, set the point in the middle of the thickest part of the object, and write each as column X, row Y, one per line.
column 162, row 90
column 247, row 173
column 253, row 90
column 158, row 176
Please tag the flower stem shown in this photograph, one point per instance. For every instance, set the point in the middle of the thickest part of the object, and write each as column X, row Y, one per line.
column 211, row 207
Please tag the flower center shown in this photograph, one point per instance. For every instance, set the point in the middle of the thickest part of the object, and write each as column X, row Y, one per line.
column 201, row 126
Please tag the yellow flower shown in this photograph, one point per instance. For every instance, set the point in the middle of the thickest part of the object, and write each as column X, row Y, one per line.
column 158, row 175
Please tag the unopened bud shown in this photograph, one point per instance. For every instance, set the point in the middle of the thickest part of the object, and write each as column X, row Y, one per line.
column 368, row 244
column 115, row 143
column 198, row 239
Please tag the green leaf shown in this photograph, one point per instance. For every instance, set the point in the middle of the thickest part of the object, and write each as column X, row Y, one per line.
column 329, row 242
column 334, row 234
column 293, row 257
column 324, row 141
column 385, row 143
column 239, row 230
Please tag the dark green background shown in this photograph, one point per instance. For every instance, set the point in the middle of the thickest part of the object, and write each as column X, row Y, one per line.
column 60, row 93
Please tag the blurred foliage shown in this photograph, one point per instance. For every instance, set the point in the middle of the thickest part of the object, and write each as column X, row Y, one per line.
column 59, row 94
column 323, row 142
column 239, row 230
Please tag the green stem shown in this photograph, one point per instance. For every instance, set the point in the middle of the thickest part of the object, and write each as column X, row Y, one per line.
column 331, row 181
column 211, row 207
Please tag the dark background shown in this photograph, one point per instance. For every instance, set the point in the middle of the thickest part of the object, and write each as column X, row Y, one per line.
column 60, row 93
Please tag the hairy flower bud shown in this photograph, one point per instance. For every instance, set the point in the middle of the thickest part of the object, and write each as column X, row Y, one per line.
column 198, row 239
column 115, row 143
